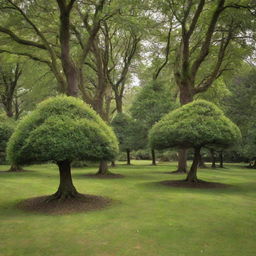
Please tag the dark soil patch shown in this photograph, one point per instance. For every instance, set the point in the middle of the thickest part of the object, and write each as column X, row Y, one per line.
column 104, row 176
column 200, row 184
column 84, row 203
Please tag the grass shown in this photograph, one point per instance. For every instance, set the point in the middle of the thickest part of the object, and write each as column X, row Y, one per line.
column 146, row 218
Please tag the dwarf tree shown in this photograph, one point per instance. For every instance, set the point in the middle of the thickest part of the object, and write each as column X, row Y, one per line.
column 194, row 125
column 62, row 129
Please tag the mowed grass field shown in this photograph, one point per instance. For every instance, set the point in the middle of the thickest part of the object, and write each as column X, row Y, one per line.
column 145, row 219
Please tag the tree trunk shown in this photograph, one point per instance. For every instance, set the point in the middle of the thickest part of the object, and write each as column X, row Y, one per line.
column 186, row 96
column 66, row 188
column 103, row 168
column 128, row 157
column 201, row 163
column 213, row 158
column 15, row 168
column 182, row 161
column 192, row 177
column 153, row 157
column 119, row 103
column 68, row 65
column 221, row 160
column 113, row 164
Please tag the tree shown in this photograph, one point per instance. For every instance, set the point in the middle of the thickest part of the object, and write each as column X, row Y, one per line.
column 62, row 129
column 194, row 125
column 208, row 34
column 9, row 77
column 123, row 127
column 150, row 104
column 240, row 108
column 6, row 129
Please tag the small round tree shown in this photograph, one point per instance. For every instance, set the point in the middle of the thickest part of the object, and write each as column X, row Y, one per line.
column 194, row 125
column 62, row 129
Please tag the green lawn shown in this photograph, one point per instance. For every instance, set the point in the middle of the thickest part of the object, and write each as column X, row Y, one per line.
column 146, row 219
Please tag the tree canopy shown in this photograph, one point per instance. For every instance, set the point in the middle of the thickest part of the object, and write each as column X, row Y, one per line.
column 62, row 128
column 197, row 124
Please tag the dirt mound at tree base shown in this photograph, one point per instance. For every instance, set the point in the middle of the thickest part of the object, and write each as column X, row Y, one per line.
column 200, row 184
column 84, row 203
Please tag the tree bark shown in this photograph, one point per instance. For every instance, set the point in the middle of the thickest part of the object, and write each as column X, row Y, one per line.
column 119, row 103
column 201, row 163
column 221, row 160
column 213, row 158
column 113, row 164
column 15, row 168
column 186, row 96
column 69, row 68
column 103, row 168
column 182, row 161
column 153, row 157
column 128, row 157
column 192, row 175
column 66, row 188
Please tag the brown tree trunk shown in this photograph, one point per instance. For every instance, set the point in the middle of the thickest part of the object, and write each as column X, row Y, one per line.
column 192, row 177
column 15, row 168
column 113, row 164
column 186, row 96
column 103, row 168
column 128, row 157
column 221, row 160
column 66, row 188
column 68, row 65
column 201, row 163
column 153, row 157
column 182, row 161
column 119, row 103
column 213, row 158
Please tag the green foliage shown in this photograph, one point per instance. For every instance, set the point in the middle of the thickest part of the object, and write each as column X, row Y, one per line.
column 123, row 127
column 62, row 128
column 240, row 107
column 6, row 129
column 151, row 103
column 197, row 124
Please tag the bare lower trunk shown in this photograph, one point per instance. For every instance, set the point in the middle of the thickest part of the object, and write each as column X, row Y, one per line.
column 192, row 175
column 213, row 158
column 66, row 188
column 201, row 163
column 182, row 163
column 153, row 157
column 15, row 168
column 113, row 164
column 128, row 157
column 221, row 160
column 103, row 168
column 186, row 96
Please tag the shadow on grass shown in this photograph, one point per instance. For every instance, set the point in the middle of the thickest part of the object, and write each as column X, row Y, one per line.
column 182, row 185
column 99, row 176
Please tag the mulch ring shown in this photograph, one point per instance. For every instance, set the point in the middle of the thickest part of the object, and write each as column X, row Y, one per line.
column 200, row 184
column 84, row 203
